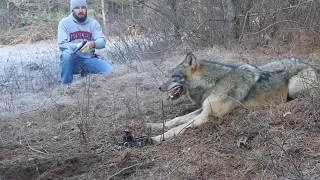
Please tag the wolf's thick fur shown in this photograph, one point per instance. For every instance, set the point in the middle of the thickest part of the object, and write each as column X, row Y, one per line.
column 219, row 88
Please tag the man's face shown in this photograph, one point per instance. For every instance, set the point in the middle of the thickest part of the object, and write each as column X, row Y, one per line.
column 80, row 13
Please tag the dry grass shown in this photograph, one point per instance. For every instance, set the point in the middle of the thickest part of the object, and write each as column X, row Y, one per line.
column 246, row 144
column 27, row 34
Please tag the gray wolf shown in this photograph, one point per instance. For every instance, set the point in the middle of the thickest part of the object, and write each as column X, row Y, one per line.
column 218, row 88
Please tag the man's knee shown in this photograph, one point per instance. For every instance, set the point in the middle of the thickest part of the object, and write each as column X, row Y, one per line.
column 106, row 68
column 66, row 56
column 97, row 66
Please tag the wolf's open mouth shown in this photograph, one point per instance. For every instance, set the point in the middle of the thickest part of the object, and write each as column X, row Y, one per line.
column 175, row 93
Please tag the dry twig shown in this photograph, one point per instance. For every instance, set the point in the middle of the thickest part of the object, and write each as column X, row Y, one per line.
column 116, row 174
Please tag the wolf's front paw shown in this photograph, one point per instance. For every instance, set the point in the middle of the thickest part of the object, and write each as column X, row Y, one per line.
column 154, row 126
column 156, row 139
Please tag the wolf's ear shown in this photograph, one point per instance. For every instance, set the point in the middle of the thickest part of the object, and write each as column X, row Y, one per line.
column 190, row 61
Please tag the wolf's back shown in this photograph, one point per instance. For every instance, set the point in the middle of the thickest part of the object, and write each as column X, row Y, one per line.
column 301, row 76
column 288, row 66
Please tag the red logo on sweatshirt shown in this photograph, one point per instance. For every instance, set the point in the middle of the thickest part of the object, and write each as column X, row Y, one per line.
column 80, row 35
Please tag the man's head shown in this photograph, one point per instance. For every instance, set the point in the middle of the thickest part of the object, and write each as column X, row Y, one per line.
column 79, row 9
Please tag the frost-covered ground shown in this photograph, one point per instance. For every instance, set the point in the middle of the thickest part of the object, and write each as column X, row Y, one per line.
column 29, row 76
column 29, row 73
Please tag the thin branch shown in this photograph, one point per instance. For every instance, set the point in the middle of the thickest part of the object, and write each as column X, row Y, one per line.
column 281, row 9
column 283, row 21
column 116, row 174
column 41, row 152
column 173, row 170
column 163, row 121
column 290, row 7
column 244, row 25
column 191, row 33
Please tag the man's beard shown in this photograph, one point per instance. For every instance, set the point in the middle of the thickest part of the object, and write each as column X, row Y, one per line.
column 80, row 19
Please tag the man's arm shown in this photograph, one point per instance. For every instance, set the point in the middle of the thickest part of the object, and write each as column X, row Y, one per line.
column 98, row 36
column 63, row 42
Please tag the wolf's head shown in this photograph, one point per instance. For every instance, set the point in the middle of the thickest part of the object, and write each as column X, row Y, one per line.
column 177, row 83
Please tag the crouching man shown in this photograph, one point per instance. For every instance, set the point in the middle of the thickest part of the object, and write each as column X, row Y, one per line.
column 78, row 37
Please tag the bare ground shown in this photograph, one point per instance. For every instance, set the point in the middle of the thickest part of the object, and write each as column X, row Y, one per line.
column 76, row 136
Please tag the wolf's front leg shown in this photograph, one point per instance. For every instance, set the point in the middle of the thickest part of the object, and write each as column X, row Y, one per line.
column 213, row 105
column 174, row 122
column 196, row 121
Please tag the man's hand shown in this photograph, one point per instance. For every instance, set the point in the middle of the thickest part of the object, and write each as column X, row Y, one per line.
column 88, row 46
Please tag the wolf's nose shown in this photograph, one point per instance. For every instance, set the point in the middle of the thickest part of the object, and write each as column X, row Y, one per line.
column 161, row 88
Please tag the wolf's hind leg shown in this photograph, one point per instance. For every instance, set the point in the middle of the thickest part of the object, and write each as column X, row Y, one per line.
column 302, row 83
column 174, row 122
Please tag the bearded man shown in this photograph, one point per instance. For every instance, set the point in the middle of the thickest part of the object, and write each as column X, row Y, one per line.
column 78, row 37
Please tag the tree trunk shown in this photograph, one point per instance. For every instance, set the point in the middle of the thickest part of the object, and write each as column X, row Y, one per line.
column 174, row 19
column 103, row 17
column 48, row 9
column 232, row 10
column 229, row 17
column 8, row 4
column 132, row 16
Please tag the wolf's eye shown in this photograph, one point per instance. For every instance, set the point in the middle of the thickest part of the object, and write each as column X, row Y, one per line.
column 177, row 78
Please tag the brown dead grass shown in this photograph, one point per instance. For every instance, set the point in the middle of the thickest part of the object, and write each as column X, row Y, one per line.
column 246, row 144
column 27, row 34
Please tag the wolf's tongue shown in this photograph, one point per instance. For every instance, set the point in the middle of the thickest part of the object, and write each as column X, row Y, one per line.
column 175, row 93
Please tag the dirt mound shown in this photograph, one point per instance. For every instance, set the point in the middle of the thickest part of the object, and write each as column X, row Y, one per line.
column 50, row 168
